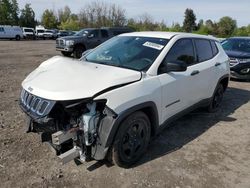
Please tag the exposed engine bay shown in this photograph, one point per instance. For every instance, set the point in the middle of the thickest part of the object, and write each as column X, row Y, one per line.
column 71, row 127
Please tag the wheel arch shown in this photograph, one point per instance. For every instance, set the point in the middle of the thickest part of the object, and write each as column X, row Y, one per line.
column 149, row 108
column 224, row 81
column 80, row 44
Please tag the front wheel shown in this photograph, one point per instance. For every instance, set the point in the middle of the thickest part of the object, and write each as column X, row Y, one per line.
column 78, row 51
column 67, row 54
column 132, row 140
column 217, row 99
column 18, row 37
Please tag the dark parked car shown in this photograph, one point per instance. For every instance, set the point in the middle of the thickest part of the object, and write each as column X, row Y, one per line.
column 238, row 50
column 87, row 39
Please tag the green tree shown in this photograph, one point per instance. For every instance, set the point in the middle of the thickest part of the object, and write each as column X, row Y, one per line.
column 49, row 19
column 226, row 26
column 176, row 27
column 9, row 12
column 242, row 31
column 72, row 23
column 14, row 12
column 189, row 24
column 27, row 17
column 64, row 14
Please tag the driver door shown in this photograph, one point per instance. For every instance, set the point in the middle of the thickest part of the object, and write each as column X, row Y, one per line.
column 93, row 38
column 177, row 86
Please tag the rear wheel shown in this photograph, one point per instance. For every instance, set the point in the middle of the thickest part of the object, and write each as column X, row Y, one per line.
column 18, row 37
column 78, row 51
column 217, row 99
column 131, row 140
column 67, row 54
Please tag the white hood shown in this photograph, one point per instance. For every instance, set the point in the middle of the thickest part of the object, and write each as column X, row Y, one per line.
column 61, row 78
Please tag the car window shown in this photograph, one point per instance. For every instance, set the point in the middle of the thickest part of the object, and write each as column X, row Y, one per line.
column 182, row 50
column 94, row 32
column 214, row 48
column 104, row 33
column 1, row 29
column 203, row 49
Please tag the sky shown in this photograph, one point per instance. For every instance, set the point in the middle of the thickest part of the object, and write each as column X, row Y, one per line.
column 171, row 11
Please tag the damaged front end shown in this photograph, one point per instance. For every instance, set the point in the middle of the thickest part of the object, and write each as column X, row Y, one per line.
column 75, row 129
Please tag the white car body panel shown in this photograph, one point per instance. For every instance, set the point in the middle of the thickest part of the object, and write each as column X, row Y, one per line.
column 61, row 78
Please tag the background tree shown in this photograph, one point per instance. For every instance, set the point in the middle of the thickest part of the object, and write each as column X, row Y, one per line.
column 64, row 14
column 27, row 17
column 72, row 23
column 189, row 24
column 226, row 26
column 100, row 14
column 49, row 19
column 176, row 27
column 9, row 12
column 14, row 12
column 242, row 31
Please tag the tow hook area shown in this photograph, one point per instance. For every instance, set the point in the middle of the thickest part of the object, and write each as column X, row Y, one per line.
column 83, row 136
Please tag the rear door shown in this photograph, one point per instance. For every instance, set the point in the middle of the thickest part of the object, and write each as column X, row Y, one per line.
column 207, row 64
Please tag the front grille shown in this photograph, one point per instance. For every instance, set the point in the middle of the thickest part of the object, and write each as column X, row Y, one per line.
column 34, row 104
column 233, row 62
column 60, row 42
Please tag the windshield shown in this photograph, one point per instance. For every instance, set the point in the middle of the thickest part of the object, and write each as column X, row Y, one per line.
column 137, row 53
column 242, row 45
column 28, row 30
column 40, row 31
column 82, row 32
column 49, row 31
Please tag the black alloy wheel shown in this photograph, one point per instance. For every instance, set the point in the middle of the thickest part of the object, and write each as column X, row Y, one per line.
column 217, row 99
column 131, row 140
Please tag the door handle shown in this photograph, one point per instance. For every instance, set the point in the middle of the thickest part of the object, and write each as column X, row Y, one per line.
column 217, row 64
column 195, row 72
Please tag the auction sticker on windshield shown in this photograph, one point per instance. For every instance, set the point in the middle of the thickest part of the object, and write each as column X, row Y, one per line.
column 153, row 45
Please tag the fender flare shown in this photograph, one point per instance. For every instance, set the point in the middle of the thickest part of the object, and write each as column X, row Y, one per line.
column 110, row 124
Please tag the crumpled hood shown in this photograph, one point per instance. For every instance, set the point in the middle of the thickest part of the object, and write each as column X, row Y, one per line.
column 237, row 54
column 61, row 78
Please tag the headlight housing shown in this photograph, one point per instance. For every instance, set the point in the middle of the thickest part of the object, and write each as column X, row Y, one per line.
column 69, row 43
column 244, row 60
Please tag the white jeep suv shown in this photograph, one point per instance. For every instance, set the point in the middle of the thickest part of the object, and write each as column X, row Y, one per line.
column 117, row 96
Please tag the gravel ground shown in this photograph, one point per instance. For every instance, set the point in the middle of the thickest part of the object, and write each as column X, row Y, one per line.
column 199, row 150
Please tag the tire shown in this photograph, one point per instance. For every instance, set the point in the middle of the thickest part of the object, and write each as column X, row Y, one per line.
column 17, row 37
column 217, row 99
column 78, row 51
column 131, row 140
column 67, row 54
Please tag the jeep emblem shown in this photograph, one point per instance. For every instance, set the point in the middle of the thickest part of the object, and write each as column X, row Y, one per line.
column 30, row 89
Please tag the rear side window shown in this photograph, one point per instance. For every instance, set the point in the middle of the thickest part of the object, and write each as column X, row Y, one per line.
column 204, row 49
column 214, row 48
column 182, row 50
column 104, row 33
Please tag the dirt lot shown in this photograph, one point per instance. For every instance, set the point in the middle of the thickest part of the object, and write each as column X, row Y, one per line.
column 199, row 150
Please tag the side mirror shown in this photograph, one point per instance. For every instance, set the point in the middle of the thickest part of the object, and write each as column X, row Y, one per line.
column 174, row 66
column 91, row 36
